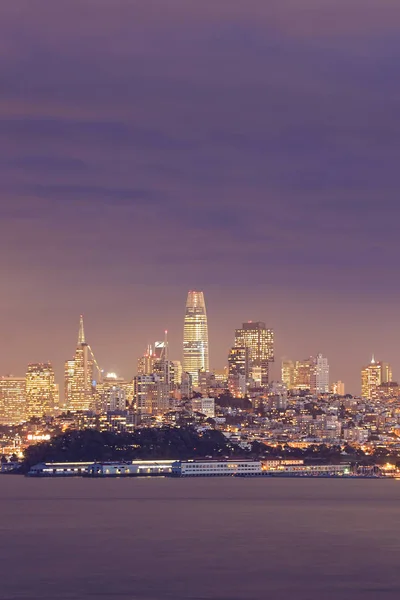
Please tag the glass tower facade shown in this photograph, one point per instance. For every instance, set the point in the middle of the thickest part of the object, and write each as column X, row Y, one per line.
column 260, row 344
column 41, row 391
column 195, row 336
column 79, row 391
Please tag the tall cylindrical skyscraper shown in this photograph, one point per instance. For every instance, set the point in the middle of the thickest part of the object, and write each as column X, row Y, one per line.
column 195, row 336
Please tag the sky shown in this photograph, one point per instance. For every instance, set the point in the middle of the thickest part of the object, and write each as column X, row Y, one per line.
column 246, row 148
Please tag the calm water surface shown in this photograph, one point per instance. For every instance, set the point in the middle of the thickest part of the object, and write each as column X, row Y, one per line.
column 163, row 539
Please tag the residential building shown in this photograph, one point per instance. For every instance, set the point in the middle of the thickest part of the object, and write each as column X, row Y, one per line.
column 205, row 406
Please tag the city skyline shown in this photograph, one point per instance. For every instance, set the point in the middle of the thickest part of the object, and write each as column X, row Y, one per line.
column 199, row 307
column 175, row 354
column 277, row 195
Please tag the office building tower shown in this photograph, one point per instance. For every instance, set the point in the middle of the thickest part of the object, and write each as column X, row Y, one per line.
column 260, row 344
column 41, row 390
column 176, row 373
column 68, row 379
column 111, row 394
column 338, row 388
column 12, row 400
column 302, row 374
column 319, row 377
column 146, row 394
column 79, row 376
column 372, row 376
column 206, row 382
column 186, row 386
column 238, row 371
column 164, row 371
column 146, row 362
column 195, row 336
column 288, row 374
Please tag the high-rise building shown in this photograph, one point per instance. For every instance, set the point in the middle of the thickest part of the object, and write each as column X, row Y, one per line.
column 146, row 394
column 372, row 376
column 319, row 379
column 302, row 374
column 238, row 371
column 111, row 394
column 12, row 400
column 288, row 374
column 260, row 344
column 79, row 376
column 176, row 374
column 186, row 385
column 309, row 374
column 146, row 362
column 195, row 336
column 68, row 379
column 41, row 390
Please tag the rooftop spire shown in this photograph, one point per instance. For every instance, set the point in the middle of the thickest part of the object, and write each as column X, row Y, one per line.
column 81, row 336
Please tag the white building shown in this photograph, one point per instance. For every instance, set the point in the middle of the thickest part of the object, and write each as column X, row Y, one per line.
column 205, row 406
column 319, row 383
column 214, row 468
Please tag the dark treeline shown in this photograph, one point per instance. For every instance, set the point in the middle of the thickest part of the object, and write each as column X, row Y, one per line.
column 182, row 443
column 165, row 442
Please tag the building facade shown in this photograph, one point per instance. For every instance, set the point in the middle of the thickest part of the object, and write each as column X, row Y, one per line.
column 372, row 376
column 111, row 394
column 319, row 379
column 288, row 374
column 238, row 371
column 338, row 388
column 259, row 342
column 205, row 406
column 12, row 400
column 80, row 393
column 41, row 390
column 195, row 336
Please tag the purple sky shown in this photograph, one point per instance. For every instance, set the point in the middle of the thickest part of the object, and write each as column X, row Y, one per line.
column 246, row 148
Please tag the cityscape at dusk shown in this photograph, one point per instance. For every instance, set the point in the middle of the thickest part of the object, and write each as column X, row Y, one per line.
column 199, row 363
column 275, row 194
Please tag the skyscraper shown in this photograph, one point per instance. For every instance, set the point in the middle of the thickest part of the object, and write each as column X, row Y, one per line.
column 319, row 380
column 41, row 391
column 111, row 394
column 195, row 336
column 146, row 362
column 372, row 376
column 288, row 373
column 146, row 394
column 238, row 371
column 79, row 376
column 260, row 344
column 12, row 400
